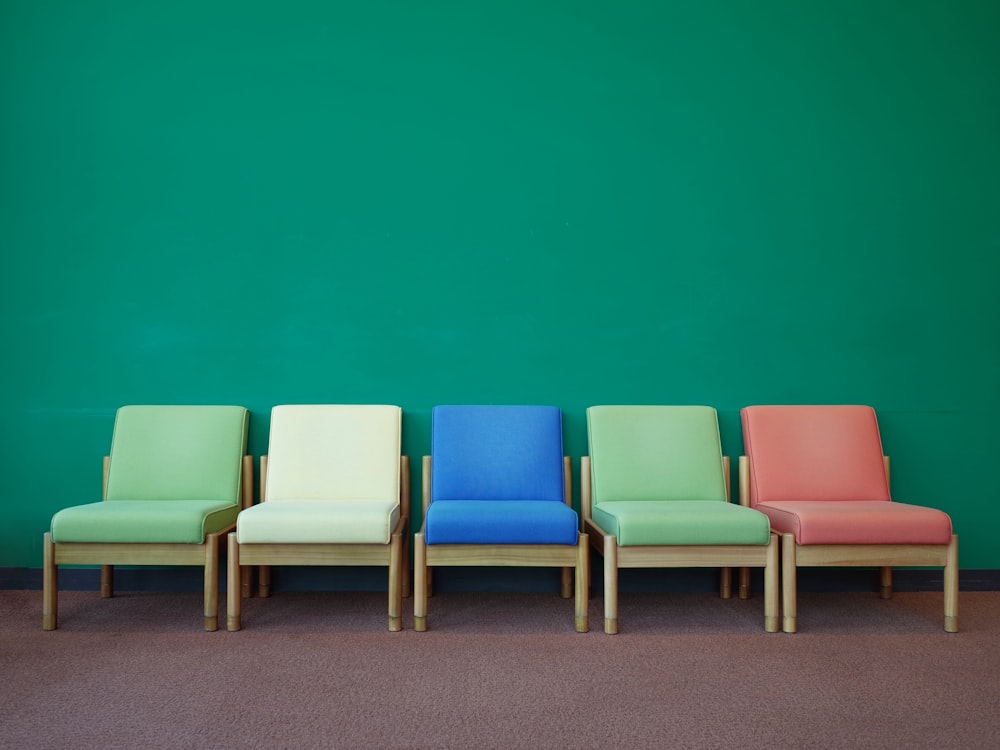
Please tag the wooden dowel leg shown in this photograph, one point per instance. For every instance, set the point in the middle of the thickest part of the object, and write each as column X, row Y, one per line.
column 582, row 594
column 566, row 583
column 419, row 583
column 396, row 583
column 726, row 583
column 50, row 584
column 211, row 617
column 406, row 563
column 885, row 582
column 610, row 585
column 788, row 583
column 771, row 585
column 234, row 587
column 107, row 581
column 951, row 588
column 744, row 583
column 264, row 581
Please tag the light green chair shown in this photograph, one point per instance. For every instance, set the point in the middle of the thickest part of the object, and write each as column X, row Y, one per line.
column 655, row 494
column 334, row 491
column 175, row 480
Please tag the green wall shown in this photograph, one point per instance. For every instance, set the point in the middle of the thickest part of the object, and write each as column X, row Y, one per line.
column 570, row 203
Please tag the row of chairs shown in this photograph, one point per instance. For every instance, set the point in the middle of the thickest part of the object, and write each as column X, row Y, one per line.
column 496, row 491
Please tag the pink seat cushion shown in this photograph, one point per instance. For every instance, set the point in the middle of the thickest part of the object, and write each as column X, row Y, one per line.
column 858, row 522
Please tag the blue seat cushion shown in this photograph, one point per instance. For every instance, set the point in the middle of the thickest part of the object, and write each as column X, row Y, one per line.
column 500, row 522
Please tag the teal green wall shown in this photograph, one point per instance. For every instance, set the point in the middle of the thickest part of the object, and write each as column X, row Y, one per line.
column 570, row 203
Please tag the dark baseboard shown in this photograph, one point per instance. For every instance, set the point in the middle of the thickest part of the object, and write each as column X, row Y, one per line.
column 448, row 579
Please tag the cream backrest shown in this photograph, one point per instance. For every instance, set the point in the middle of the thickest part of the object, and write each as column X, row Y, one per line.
column 334, row 452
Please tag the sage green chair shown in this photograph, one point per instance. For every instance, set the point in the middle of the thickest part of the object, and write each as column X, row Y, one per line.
column 655, row 493
column 334, row 490
column 174, row 482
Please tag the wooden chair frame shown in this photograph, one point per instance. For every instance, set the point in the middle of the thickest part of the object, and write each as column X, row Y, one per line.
column 568, row 557
column 723, row 556
column 395, row 555
column 883, row 556
column 107, row 555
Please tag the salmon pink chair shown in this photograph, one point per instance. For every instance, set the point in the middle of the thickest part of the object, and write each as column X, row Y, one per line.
column 819, row 474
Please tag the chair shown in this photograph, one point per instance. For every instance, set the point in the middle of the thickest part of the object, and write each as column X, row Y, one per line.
column 334, row 490
column 173, row 484
column 819, row 474
column 655, row 494
column 497, row 492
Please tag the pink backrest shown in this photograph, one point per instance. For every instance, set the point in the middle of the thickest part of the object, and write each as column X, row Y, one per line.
column 813, row 453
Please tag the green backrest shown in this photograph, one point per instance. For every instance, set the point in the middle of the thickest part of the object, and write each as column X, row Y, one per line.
column 178, row 453
column 655, row 453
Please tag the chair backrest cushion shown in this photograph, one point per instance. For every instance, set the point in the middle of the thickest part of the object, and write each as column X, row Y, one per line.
column 655, row 453
column 813, row 453
column 496, row 453
column 334, row 452
column 178, row 453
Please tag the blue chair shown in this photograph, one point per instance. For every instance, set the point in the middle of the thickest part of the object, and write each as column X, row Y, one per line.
column 497, row 492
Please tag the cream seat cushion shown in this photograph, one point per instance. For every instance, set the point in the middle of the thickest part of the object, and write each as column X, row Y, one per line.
column 318, row 522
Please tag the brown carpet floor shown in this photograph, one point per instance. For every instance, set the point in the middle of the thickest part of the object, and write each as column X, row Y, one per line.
column 320, row 670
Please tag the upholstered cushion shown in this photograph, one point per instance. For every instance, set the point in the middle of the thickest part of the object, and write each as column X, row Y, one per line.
column 858, row 522
column 814, row 453
column 334, row 452
column 655, row 453
column 496, row 453
column 500, row 522
column 673, row 522
column 177, row 453
column 311, row 521
column 142, row 521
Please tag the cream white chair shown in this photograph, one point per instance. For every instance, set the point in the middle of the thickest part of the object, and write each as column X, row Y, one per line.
column 334, row 490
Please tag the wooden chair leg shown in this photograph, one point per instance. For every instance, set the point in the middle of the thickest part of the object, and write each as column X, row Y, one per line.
column 406, row 563
column 744, row 583
column 50, row 584
column 211, row 618
column 788, row 583
column 566, row 583
column 419, row 583
column 610, row 585
column 246, row 581
column 264, row 581
column 951, row 587
column 107, row 581
column 234, row 588
column 725, row 583
column 396, row 583
column 582, row 598
column 771, row 618
column 885, row 582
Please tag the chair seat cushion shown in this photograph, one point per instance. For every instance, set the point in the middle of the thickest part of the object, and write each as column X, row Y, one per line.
column 143, row 521
column 500, row 522
column 318, row 522
column 675, row 522
column 858, row 522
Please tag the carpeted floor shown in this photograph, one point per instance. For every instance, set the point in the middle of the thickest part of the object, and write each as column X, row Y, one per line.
column 320, row 670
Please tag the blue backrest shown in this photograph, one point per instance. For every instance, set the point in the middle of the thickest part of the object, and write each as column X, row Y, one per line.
column 496, row 453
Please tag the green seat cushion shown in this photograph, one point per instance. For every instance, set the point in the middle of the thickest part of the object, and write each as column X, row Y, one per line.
column 143, row 521
column 673, row 522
